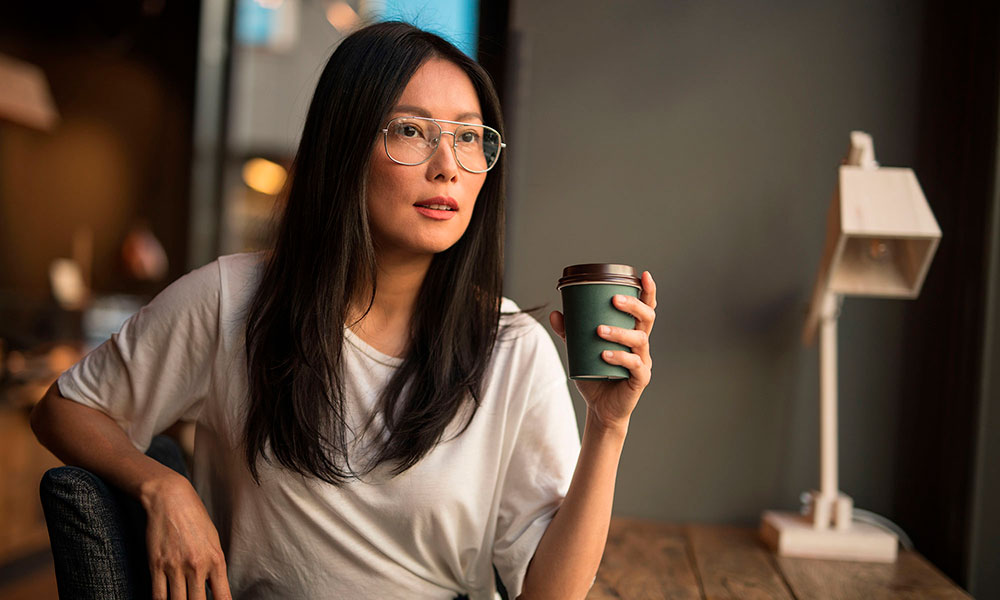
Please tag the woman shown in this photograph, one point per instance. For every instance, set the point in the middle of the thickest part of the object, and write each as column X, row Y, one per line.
column 372, row 420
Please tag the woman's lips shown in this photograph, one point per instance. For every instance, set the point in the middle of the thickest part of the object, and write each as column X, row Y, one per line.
column 440, row 208
column 440, row 215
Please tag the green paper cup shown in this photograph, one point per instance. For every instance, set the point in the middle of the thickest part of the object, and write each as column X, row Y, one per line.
column 587, row 293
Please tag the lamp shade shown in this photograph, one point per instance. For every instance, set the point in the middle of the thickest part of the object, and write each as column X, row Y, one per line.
column 881, row 234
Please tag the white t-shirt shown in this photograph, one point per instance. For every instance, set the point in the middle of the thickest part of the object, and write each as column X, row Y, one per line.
column 483, row 498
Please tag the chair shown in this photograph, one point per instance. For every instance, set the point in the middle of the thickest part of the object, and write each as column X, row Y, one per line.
column 98, row 533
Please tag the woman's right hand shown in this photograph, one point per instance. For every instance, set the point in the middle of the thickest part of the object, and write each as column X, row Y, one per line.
column 183, row 544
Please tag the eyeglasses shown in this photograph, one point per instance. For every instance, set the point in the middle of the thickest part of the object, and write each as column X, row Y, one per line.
column 413, row 141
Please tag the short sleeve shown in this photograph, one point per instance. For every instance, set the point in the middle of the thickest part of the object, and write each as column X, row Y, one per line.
column 157, row 368
column 541, row 466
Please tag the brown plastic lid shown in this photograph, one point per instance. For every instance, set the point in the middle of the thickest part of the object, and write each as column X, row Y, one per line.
column 599, row 273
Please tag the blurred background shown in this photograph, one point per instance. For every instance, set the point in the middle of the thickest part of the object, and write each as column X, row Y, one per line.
column 698, row 140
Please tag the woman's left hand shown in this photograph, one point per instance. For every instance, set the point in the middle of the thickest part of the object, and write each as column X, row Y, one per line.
column 612, row 402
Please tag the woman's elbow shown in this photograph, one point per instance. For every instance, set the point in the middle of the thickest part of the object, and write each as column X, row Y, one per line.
column 40, row 417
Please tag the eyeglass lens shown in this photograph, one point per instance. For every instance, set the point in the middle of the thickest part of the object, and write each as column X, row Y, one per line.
column 413, row 141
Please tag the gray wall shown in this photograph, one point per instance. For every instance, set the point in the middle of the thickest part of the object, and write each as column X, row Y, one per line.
column 700, row 140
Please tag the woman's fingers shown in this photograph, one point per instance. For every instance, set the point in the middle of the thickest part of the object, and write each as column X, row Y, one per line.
column 636, row 339
column 558, row 325
column 159, row 585
column 178, row 586
column 643, row 313
column 191, row 585
column 220, row 584
column 195, row 587
column 639, row 372
column 648, row 295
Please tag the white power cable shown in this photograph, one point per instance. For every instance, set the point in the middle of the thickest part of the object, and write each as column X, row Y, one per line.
column 866, row 516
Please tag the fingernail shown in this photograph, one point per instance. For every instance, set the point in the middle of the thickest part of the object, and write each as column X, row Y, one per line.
column 619, row 298
column 606, row 353
column 603, row 329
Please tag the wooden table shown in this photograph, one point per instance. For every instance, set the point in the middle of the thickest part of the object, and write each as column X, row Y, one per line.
column 648, row 560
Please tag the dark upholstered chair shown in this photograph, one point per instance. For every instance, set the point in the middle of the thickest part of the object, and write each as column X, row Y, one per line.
column 98, row 533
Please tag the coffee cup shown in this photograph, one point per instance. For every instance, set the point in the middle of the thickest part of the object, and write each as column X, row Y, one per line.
column 587, row 292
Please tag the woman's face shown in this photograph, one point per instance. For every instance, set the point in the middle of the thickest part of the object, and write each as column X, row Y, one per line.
column 399, row 195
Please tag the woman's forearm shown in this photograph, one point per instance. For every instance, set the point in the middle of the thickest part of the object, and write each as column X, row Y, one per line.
column 85, row 437
column 569, row 553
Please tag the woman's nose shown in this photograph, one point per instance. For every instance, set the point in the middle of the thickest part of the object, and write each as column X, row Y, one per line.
column 444, row 163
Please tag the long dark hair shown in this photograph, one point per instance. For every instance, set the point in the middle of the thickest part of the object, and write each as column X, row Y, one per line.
column 324, row 258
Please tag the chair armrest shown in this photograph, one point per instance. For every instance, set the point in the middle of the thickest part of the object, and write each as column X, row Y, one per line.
column 98, row 533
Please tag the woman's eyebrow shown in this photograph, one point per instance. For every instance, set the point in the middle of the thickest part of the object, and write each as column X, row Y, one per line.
column 420, row 112
column 411, row 110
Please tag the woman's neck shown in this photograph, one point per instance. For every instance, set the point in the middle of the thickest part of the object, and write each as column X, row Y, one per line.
column 386, row 327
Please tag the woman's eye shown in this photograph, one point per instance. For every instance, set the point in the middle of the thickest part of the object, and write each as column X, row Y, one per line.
column 408, row 131
column 468, row 137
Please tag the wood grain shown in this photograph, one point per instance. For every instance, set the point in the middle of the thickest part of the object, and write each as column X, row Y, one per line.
column 733, row 563
column 910, row 577
column 645, row 560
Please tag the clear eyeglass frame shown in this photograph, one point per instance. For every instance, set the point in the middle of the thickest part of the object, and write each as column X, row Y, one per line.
column 454, row 144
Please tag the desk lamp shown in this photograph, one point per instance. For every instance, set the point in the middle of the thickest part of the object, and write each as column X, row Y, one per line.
column 880, row 239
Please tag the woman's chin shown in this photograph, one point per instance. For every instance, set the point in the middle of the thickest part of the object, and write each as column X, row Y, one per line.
column 425, row 248
column 434, row 244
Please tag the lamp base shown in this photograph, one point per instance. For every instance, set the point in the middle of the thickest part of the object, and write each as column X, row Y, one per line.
column 792, row 534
